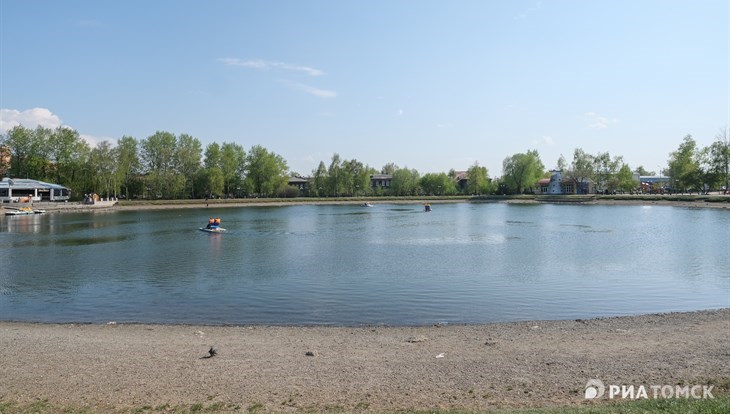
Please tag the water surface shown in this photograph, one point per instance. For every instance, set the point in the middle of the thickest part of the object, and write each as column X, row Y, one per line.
column 351, row 265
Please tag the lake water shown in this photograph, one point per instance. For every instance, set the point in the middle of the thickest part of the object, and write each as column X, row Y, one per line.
column 350, row 265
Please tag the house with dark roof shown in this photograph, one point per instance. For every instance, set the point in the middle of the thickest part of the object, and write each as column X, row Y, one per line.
column 381, row 181
column 301, row 183
column 462, row 179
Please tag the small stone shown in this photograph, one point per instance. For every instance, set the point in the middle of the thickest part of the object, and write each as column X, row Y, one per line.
column 310, row 353
column 416, row 339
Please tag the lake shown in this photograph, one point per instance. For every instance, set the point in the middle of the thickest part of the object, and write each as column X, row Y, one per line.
column 350, row 265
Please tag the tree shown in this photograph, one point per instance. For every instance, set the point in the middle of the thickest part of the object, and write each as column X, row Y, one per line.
column 606, row 169
column 19, row 140
column 188, row 153
column 643, row 172
column 625, row 179
column 4, row 158
column 265, row 171
column 212, row 155
column 581, row 170
column 214, row 181
column 521, row 171
column 128, row 163
column 720, row 158
column 319, row 182
column 683, row 166
column 233, row 165
column 389, row 168
column 158, row 156
column 335, row 182
column 103, row 162
column 562, row 164
column 405, row 182
column 357, row 177
column 437, row 184
column 478, row 180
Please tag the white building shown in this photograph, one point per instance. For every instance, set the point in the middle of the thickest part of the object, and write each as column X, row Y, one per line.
column 20, row 189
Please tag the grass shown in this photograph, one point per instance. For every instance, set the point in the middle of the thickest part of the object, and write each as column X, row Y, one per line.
column 719, row 405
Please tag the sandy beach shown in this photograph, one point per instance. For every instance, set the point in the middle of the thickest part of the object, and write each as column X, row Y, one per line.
column 369, row 368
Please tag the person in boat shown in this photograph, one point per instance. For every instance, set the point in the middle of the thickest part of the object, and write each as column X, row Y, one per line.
column 426, row 207
column 217, row 222
column 211, row 223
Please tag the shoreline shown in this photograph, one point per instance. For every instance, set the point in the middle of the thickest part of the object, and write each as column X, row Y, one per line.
column 236, row 203
column 365, row 368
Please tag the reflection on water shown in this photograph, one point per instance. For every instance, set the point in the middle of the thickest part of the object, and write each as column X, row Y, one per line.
column 346, row 265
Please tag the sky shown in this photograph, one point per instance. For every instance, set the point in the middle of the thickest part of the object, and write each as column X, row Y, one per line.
column 430, row 85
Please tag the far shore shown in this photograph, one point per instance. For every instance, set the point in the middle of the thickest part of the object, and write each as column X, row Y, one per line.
column 717, row 202
column 111, row 367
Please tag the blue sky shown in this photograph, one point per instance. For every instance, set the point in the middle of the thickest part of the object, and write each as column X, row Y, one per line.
column 431, row 85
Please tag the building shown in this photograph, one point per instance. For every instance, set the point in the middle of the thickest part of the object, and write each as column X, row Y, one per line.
column 299, row 182
column 653, row 183
column 557, row 184
column 17, row 189
column 462, row 179
column 381, row 181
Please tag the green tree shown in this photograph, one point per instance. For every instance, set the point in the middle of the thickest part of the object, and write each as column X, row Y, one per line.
column 562, row 163
column 319, row 181
column 188, row 154
column 437, row 184
column 357, row 177
column 643, row 171
column 719, row 154
column 625, row 179
column 405, row 182
column 103, row 163
column 683, row 166
column 389, row 168
column 214, row 181
column 128, row 164
column 66, row 147
column 212, row 155
column 521, row 171
column 266, row 171
column 606, row 169
column 19, row 140
column 233, row 165
column 335, row 178
column 478, row 180
column 581, row 170
column 159, row 159
column 213, row 177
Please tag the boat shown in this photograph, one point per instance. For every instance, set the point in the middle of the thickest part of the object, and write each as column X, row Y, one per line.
column 22, row 211
column 213, row 229
column 366, row 205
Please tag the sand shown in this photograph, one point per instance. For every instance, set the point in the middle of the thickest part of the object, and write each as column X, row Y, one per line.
column 370, row 368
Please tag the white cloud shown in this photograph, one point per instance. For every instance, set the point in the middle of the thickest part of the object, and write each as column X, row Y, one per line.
column 32, row 118
column 94, row 141
column 596, row 121
column 268, row 65
column 320, row 93
column 546, row 140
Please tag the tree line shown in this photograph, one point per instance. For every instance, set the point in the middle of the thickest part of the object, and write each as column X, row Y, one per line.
column 167, row 166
